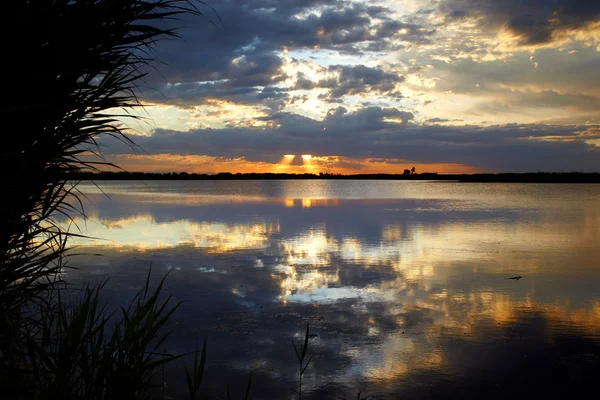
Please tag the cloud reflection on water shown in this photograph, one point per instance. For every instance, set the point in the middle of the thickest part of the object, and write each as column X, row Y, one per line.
column 393, row 287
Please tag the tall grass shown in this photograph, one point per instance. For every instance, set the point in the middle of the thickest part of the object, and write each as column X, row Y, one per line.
column 303, row 362
column 85, row 352
column 71, row 69
column 194, row 379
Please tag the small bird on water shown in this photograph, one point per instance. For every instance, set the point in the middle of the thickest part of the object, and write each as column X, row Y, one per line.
column 516, row 278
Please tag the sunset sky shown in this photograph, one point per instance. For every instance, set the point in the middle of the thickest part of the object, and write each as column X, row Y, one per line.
column 344, row 86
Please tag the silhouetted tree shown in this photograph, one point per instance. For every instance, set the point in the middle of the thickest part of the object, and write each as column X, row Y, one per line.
column 412, row 171
column 407, row 172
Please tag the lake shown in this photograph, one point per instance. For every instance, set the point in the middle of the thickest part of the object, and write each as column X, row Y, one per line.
column 405, row 284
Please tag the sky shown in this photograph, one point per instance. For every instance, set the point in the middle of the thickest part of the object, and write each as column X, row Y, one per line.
column 348, row 86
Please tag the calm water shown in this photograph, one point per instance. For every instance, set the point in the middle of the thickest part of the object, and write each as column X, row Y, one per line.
column 404, row 283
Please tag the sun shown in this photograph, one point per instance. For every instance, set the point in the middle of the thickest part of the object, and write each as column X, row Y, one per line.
column 287, row 159
column 307, row 162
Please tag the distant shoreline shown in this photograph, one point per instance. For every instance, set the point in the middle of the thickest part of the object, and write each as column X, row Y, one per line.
column 535, row 177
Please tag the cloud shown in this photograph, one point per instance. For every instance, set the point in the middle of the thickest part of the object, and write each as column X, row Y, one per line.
column 532, row 22
column 235, row 60
column 376, row 132
column 441, row 120
column 556, row 71
column 559, row 85
column 355, row 80
column 195, row 94
column 189, row 94
column 271, row 79
column 254, row 31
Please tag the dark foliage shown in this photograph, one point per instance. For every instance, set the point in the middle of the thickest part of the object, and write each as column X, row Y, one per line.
column 71, row 68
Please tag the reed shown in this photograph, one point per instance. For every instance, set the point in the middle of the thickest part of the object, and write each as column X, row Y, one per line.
column 301, row 357
column 83, row 351
column 87, row 58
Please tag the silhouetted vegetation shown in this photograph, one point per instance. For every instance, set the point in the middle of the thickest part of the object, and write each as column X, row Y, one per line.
column 86, row 58
column 303, row 363
column 84, row 353
column 535, row 177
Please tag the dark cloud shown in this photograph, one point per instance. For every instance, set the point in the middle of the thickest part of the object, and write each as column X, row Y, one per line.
column 441, row 120
column 533, row 22
column 189, row 94
column 303, row 83
column 273, row 98
column 388, row 133
column 242, row 52
column 354, row 80
column 408, row 32
column 349, row 80
column 237, row 81
column 362, row 80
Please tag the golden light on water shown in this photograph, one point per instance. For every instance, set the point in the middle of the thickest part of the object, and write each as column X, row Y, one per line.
column 289, row 203
column 413, row 283
column 400, row 281
column 143, row 233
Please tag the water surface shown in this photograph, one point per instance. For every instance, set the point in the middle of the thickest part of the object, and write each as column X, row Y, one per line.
column 404, row 284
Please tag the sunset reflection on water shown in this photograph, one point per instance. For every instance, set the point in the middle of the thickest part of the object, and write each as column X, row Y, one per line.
column 397, row 286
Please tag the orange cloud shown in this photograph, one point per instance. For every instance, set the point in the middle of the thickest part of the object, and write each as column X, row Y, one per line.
column 316, row 164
